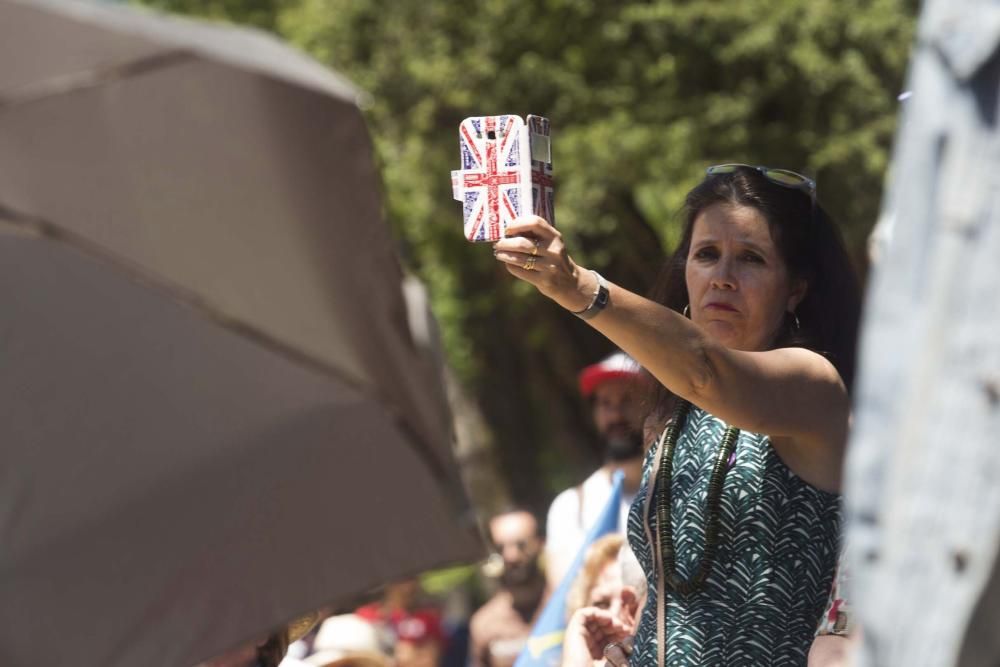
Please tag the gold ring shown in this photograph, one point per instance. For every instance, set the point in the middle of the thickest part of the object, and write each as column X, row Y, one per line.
column 530, row 264
column 534, row 249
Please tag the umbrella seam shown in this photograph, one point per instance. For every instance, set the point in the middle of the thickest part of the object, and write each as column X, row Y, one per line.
column 76, row 81
column 35, row 226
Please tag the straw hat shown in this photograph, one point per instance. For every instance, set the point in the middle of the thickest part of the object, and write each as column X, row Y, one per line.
column 301, row 626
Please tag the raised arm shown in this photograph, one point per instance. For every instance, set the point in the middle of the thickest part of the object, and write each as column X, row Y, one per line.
column 793, row 395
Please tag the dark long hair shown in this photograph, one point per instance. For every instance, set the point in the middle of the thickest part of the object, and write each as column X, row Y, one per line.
column 812, row 248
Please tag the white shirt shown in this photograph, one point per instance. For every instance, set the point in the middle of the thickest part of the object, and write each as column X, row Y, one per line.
column 570, row 518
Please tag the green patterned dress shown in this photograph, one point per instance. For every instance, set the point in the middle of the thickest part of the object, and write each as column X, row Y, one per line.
column 771, row 577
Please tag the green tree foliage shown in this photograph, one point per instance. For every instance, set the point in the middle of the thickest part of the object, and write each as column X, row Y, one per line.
column 642, row 96
column 261, row 14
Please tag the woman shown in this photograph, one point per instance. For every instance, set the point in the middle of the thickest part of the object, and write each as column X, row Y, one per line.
column 752, row 338
column 610, row 580
column 599, row 580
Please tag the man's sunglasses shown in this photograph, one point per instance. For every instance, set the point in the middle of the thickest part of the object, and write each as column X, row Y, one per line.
column 782, row 177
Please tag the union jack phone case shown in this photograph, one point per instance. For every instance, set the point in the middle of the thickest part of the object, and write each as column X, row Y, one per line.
column 506, row 172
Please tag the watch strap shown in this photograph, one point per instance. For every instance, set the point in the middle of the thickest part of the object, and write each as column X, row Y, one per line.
column 600, row 301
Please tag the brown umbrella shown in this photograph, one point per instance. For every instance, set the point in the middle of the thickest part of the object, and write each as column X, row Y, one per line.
column 219, row 408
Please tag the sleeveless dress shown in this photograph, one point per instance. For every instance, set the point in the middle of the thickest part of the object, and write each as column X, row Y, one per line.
column 771, row 577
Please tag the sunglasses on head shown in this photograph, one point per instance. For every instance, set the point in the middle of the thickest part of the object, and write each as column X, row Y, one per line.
column 782, row 177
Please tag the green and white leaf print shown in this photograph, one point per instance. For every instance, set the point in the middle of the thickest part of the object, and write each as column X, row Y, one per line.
column 777, row 551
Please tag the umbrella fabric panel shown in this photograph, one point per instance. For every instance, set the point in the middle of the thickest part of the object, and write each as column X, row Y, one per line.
column 87, row 41
column 219, row 399
column 192, row 165
column 253, row 197
column 130, row 415
column 190, row 175
column 74, row 49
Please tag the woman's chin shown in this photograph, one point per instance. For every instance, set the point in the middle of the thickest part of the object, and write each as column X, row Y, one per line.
column 724, row 332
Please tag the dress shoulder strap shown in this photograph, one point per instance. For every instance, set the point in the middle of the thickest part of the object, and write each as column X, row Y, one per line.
column 654, row 544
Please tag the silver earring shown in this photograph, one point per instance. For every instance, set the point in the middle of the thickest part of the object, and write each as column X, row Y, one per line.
column 795, row 321
column 687, row 311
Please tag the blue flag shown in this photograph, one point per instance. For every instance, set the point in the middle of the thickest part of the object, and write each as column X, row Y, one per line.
column 544, row 647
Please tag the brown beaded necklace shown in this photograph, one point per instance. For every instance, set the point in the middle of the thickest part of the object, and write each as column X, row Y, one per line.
column 664, row 523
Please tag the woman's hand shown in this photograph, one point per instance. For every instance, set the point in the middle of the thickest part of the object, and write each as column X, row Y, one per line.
column 534, row 252
column 589, row 632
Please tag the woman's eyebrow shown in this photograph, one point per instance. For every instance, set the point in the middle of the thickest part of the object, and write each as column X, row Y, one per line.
column 741, row 241
column 753, row 246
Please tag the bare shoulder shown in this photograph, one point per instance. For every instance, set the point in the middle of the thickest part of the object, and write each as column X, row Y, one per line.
column 790, row 391
column 486, row 616
column 814, row 449
column 807, row 380
column 809, row 365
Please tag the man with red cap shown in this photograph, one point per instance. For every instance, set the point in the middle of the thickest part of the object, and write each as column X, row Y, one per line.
column 612, row 386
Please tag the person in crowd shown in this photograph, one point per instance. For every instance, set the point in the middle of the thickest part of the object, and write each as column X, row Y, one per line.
column 268, row 651
column 612, row 387
column 610, row 582
column 752, row 337
column 347, row 640
column 401, row 602
column 420, row 641
column 500, row 628
column 836, row 630
column 599, row 582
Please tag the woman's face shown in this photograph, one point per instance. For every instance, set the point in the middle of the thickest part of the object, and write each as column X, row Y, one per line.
column 610, row 592
column 738, row 284
column 607, row 586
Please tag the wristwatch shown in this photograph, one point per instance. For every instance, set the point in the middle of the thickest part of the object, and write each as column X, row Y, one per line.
column 600, row 300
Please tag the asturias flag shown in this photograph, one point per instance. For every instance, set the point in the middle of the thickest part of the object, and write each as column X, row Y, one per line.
column 544, row 647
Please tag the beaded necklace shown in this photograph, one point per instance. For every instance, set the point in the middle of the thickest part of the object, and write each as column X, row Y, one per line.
column 664, row 523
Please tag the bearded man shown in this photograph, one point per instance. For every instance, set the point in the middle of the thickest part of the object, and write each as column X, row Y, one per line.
column 612, row 386
column 499, row 629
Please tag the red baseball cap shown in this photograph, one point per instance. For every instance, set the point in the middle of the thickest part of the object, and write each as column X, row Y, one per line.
column 618, row 365
column 420, row 626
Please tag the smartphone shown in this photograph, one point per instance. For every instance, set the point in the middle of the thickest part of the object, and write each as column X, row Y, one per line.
column 506, row 168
